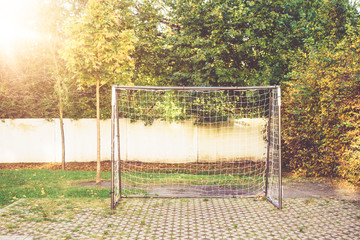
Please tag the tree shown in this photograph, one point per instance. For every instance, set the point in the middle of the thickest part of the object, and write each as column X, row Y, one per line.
column 32, row 74
column 52, row 15
column 321, row 107
column 53, row 28
column 151, row 56
column 98, row 50
column 232, row 42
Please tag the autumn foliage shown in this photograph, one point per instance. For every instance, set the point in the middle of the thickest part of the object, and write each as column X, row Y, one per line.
column 321, row 110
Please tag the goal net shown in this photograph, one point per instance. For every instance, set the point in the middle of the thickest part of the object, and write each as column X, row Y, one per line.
column 196, row 142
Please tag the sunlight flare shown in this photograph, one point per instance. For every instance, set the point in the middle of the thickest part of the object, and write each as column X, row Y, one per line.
column 16, row 22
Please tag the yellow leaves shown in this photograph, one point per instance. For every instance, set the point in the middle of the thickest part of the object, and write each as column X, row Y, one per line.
column 317, row 119
column 42, row 191
column 97, row 48
column 15, row 198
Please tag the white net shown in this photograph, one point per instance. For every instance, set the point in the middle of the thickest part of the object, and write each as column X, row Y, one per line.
column 193, row 142
column 274, row 184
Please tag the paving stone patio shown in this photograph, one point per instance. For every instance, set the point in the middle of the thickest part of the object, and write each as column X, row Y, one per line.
column 196, row 218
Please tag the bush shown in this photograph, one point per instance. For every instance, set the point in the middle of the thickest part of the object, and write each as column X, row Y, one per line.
column 321, row 132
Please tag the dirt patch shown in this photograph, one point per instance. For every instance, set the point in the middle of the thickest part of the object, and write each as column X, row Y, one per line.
column 103, row 183
column 70, row 166
column 292, row 188
column 321, row 188
column 176, row 190
column 197, row 191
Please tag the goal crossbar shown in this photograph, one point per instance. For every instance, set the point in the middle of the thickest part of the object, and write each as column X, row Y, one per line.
column 125, row 87
column 196, row 142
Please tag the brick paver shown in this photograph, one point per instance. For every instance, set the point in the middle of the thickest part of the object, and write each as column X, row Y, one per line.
column 197, row 218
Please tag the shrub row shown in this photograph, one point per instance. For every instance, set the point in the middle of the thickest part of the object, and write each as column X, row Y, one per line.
column 321, row 112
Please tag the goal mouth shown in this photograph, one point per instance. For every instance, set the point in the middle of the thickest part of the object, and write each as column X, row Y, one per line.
column 220, row 179
column 196, row 142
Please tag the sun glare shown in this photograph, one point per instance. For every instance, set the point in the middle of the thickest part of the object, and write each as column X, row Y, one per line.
column 16, row 22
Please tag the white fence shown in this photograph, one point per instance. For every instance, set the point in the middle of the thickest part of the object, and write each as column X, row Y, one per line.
column 39, row 140
column 184, row 142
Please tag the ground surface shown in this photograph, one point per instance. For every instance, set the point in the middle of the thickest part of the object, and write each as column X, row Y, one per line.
column 293, row 186
column 298, row 188
column 71, row 166
column 229, row 218
column 320, row 188
column 313, row 209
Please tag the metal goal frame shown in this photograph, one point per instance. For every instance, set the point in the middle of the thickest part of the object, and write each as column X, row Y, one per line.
column 273, row 177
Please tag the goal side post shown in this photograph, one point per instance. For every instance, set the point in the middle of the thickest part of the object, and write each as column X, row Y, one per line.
column 273, row 184
column 279, row 133
column 115, row 152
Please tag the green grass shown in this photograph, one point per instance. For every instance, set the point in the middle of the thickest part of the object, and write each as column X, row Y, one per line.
column 56, row 184
column 237, row 180
column 31, row 183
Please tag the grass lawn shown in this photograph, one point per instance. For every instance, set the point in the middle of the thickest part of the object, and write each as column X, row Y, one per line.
column 56, row 184
column 238, row 180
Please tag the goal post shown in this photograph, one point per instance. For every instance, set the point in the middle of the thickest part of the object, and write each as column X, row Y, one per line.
column 196, row 142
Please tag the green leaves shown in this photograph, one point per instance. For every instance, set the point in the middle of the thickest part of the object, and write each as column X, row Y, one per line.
column 246, row 42
column 99, row 45
column 170, row 42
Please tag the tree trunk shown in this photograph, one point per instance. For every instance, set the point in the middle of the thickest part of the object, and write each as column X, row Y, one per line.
column 61, row 125
column 58, row 83
column 98, row 167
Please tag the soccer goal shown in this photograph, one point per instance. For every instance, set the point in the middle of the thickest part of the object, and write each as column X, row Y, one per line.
column 196, row 142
